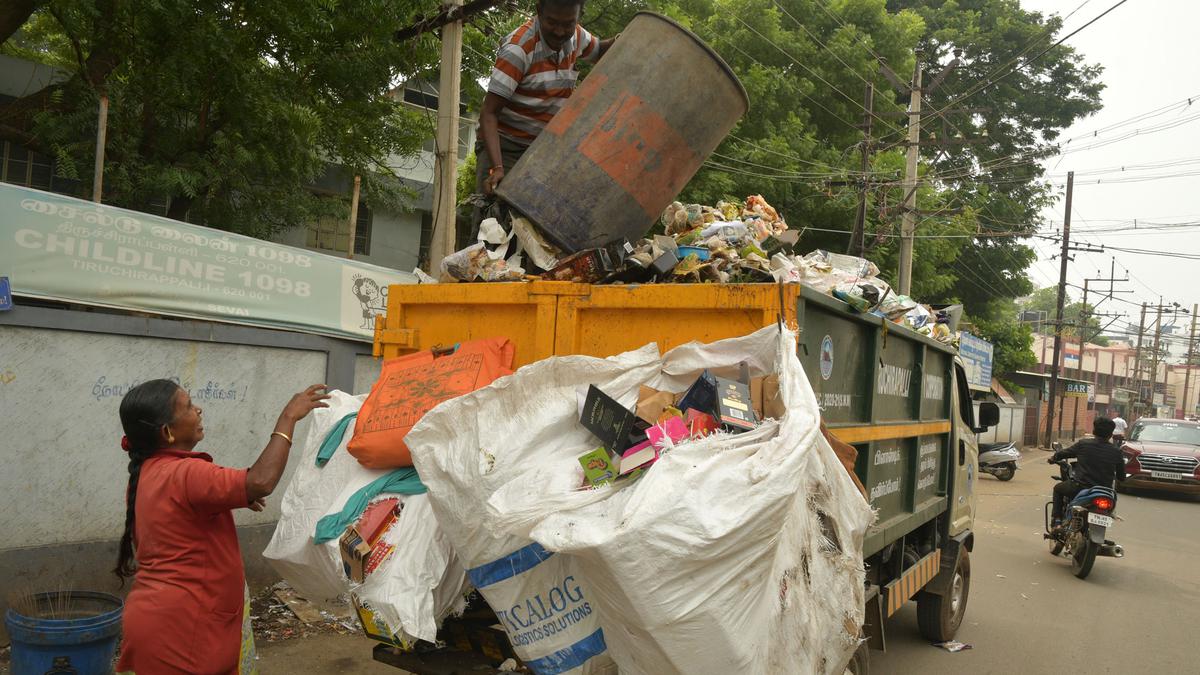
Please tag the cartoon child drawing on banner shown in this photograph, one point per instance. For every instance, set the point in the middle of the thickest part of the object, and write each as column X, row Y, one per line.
column 372, row 298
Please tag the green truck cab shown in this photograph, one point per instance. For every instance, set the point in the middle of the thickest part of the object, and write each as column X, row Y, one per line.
column 900, row 398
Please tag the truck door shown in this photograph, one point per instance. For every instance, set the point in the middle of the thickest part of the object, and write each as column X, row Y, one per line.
column 966, row 455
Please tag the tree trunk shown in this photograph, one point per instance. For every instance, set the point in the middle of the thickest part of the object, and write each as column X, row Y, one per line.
column 13, row 15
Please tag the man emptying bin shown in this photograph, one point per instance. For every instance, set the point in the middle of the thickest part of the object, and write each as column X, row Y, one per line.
column 533, row 76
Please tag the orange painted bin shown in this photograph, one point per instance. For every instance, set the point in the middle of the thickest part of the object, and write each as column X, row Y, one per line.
column 629, row 139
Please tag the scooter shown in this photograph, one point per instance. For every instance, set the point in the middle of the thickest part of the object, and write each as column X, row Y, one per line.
column 999, row 459
column 1081, row 535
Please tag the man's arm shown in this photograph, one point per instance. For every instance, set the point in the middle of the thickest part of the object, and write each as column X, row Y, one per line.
column 605, row 44
column 1066, row 453
column 488, row 122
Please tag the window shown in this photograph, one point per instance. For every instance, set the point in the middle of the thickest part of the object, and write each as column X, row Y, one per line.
column 426, row 238
column 20, row 166
column 333, row 234
column 16, row 164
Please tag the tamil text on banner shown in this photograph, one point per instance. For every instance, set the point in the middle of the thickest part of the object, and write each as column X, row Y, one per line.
column 61, row 248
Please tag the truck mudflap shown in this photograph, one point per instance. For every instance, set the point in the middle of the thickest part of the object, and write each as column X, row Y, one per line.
column 953, row 548
column 916, row 577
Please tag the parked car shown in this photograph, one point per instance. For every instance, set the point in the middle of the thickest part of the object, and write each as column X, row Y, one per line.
column 1163, row 454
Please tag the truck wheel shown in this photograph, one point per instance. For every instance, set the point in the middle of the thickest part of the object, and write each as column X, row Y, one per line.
column 859, row 663
column 939, row 616
column 1006, row 471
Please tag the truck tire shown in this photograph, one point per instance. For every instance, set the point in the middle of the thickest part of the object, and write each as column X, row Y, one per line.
column 939, row 616
column 860, row 663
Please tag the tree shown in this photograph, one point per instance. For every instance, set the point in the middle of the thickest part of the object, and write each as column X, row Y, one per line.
column 227, row 111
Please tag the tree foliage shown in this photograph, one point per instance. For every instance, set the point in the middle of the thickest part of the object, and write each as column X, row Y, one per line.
column 229, row 111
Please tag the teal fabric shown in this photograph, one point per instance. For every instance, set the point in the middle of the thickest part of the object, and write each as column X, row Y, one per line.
column 333, row 439
column 398, row 482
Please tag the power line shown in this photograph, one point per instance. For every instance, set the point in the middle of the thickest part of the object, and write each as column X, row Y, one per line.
column 821, row 44
column 780, row 77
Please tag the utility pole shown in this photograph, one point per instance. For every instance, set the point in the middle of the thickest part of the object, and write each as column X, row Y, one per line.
column 1085, row 317
column 445, row 199
column 354, row 216
column 1154, row 362
column 1137, row 364
column 908, row 225
column 1083, row 323
column 1187, row 361
column 101, row 134
column 860, row 218
column 1058, row 324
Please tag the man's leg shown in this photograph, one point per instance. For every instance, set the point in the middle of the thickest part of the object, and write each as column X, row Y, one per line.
column 1063, row 492
column 482, row 165
column 510, row 152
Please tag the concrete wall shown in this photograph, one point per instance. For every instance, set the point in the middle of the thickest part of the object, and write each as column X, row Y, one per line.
column 62, row 375
column 1010, row 428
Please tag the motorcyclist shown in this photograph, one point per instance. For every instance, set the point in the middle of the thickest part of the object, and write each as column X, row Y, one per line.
column 1098, row 463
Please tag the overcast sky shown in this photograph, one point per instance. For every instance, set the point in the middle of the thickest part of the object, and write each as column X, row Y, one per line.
column 1151, row 59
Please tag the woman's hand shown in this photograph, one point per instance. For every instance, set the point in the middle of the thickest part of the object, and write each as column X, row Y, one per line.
column 258, row 504
column 304, row 402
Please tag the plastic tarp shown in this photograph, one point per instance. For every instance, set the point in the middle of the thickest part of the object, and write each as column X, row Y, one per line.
column 733, row 554
column 419, row 585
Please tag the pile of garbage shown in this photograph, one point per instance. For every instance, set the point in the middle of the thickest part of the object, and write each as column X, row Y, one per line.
column 855, row 281
column 732, row 242
column 601, row 507
column 633, row 440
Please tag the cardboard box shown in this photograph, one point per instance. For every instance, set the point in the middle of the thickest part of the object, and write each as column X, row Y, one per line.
column 772, row 400
column 638, row 456
column 377, row 518
column 355, row 551
column 375, row 627
column 586, row 267
column 652, row 403
column 702, row 395
column 734, row 406
column 599, row 467
column 379, row 553
column 607, row 419
column 700, row 424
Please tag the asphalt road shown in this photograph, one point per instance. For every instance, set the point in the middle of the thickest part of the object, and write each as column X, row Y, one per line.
column 1028, row 614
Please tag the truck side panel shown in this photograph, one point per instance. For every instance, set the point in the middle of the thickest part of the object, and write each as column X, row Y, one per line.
column 893, row 406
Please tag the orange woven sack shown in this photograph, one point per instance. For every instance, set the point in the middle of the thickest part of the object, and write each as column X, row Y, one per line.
column 412, row 385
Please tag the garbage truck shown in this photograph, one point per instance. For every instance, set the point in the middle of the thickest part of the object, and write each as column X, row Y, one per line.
column 899, row 397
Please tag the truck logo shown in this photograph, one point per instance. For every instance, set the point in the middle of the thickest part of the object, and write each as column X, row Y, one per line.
column 826, row 358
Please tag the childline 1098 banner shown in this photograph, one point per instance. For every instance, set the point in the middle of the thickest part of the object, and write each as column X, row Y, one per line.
column 61, row 248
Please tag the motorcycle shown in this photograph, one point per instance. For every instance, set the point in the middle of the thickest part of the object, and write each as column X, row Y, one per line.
column 999, row 459
column 1081, row 535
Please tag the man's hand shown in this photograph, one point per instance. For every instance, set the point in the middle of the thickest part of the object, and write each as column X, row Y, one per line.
column 495, row 175
column 258, row 504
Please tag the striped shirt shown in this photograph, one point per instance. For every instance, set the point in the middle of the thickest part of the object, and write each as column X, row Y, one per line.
column 535, row 80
